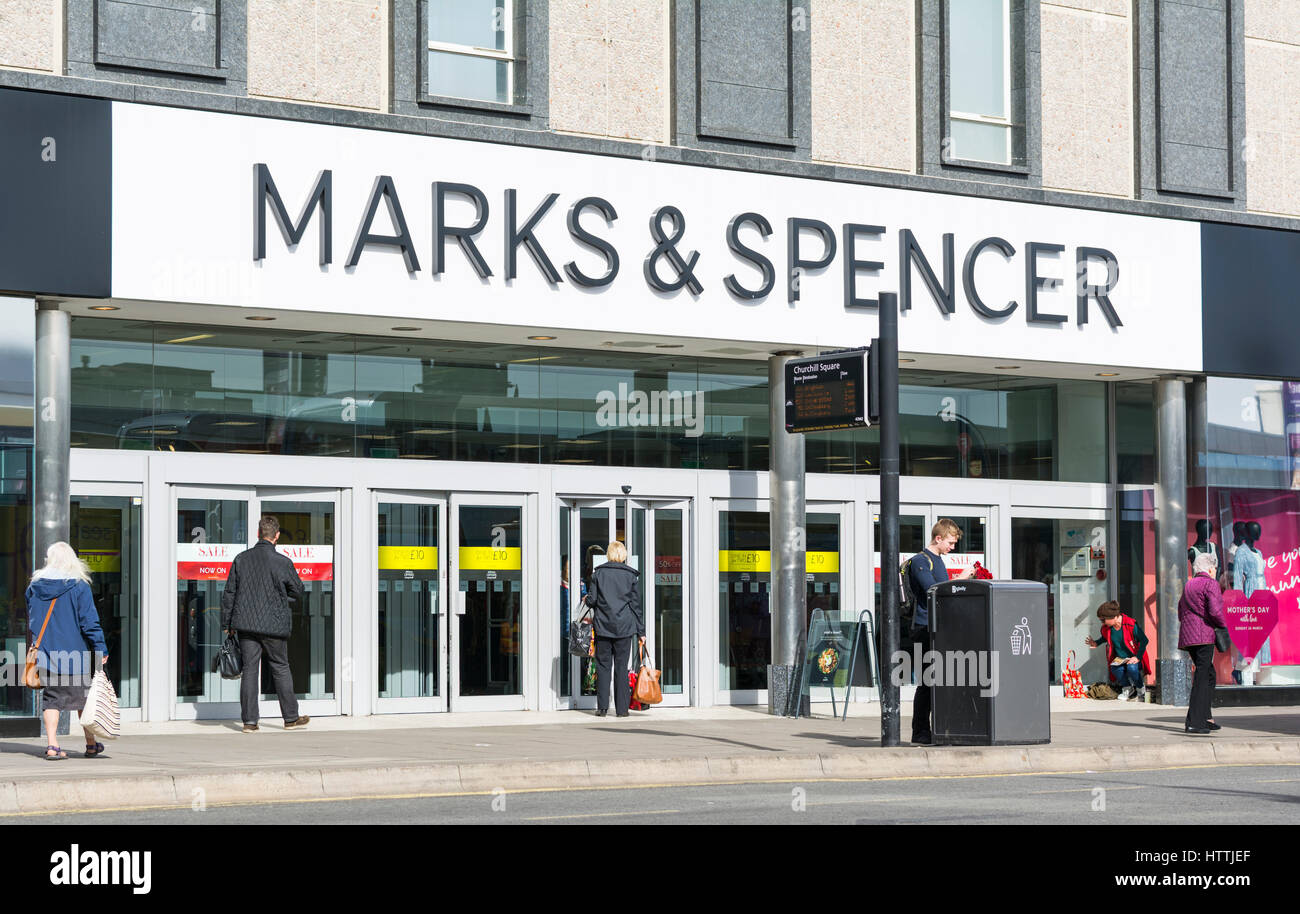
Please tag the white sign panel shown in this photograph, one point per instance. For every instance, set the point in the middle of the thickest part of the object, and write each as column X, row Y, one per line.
column 701, row 252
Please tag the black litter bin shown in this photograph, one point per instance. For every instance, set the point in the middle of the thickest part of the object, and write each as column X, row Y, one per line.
column 993, row 688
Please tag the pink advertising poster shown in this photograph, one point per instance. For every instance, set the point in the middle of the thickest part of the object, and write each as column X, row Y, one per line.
column 1278, row 516
column 1250, row 619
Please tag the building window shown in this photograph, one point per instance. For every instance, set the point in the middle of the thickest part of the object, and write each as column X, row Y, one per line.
column 979, row 46
column 470, row 50
column 17, row 380
column 1135, row 433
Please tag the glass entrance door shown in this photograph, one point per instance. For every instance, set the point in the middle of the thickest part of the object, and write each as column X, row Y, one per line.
column 104, row 529
column 587, row 527
column 1067, row 550
column 744, row 587
column 665, row 580
column 487, row 634
column 213, row 525
column 656, row 534
column 450, row 616
column 411, row 620
column 307, row 537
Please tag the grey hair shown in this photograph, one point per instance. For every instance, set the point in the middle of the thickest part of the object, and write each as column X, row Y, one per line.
column 61, row 563
column 1205, row 561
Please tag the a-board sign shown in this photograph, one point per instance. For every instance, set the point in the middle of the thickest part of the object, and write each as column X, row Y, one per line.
column 826, row 392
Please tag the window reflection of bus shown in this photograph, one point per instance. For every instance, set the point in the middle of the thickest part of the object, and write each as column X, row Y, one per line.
column 456, row 426
column 322, row 426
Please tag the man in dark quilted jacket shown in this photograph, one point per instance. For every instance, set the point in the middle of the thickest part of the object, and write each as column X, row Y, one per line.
column 256, row 605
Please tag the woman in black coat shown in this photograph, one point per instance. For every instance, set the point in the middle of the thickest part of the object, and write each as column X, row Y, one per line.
column 615, row 592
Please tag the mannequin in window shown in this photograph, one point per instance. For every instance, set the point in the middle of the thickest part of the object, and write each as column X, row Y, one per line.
column 1238, row 537
column 1248, row 563
column 1248, row 577
column 1205, row 530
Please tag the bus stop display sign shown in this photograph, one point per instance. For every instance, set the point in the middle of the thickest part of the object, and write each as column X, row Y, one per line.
column 826, row 392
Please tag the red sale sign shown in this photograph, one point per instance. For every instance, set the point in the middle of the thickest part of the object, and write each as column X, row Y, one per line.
column 955, row 562
column 211, row 561
column 205, row 561
column 313, row 563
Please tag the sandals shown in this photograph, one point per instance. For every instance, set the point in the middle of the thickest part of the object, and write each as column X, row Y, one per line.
column 54, row 754
column 95, row 750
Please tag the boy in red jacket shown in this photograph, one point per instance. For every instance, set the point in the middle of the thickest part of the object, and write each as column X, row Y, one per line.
column 1126, row 651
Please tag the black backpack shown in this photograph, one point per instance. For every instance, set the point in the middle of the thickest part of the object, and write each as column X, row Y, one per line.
column 907, row 603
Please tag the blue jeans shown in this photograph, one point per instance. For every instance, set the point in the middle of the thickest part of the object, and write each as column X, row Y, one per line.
column 1128, row 674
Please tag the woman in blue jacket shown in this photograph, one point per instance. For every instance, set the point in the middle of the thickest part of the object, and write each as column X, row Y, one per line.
column 64, row 657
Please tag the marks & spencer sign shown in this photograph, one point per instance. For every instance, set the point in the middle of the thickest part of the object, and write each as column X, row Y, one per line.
column 253, row 212
column 668, row 267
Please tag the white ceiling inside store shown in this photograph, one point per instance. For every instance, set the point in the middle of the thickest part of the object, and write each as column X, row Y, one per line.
column 380, row 326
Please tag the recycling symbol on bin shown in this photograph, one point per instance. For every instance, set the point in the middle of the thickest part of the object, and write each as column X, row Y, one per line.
column 1021, row 640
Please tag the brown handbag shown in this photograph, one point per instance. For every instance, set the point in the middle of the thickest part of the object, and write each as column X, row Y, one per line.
column 31, row 675
column 647, row 681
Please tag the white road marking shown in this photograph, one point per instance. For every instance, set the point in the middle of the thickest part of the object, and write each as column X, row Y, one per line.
column 601, row 815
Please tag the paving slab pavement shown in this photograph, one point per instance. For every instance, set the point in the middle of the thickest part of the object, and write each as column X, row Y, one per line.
column 183, row 763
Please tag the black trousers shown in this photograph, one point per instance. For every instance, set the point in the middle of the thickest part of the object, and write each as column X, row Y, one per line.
column 613, row 653
column 1202, row 698
column 277, row 658
column 921, row 727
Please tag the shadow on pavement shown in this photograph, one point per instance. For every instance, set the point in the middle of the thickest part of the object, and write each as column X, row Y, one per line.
column 37, row 752
column 716, row 739
column 1150, row 724
column 1252, row 794
column 1273, row 724
column 842, row 739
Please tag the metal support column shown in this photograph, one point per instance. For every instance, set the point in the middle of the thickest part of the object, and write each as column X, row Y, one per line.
column 52, row 434
column 1173, row 668
column 52, row 428
column 788, row 597
column 1197, row 434
column 890, row 638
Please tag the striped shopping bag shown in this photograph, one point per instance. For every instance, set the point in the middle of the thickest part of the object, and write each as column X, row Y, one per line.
column 100, row 715
column 1071, row 679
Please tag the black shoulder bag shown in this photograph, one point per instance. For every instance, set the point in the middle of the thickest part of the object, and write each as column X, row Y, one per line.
column 229, row 661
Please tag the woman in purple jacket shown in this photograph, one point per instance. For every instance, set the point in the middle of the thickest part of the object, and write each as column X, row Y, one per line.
column 1200, row 612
